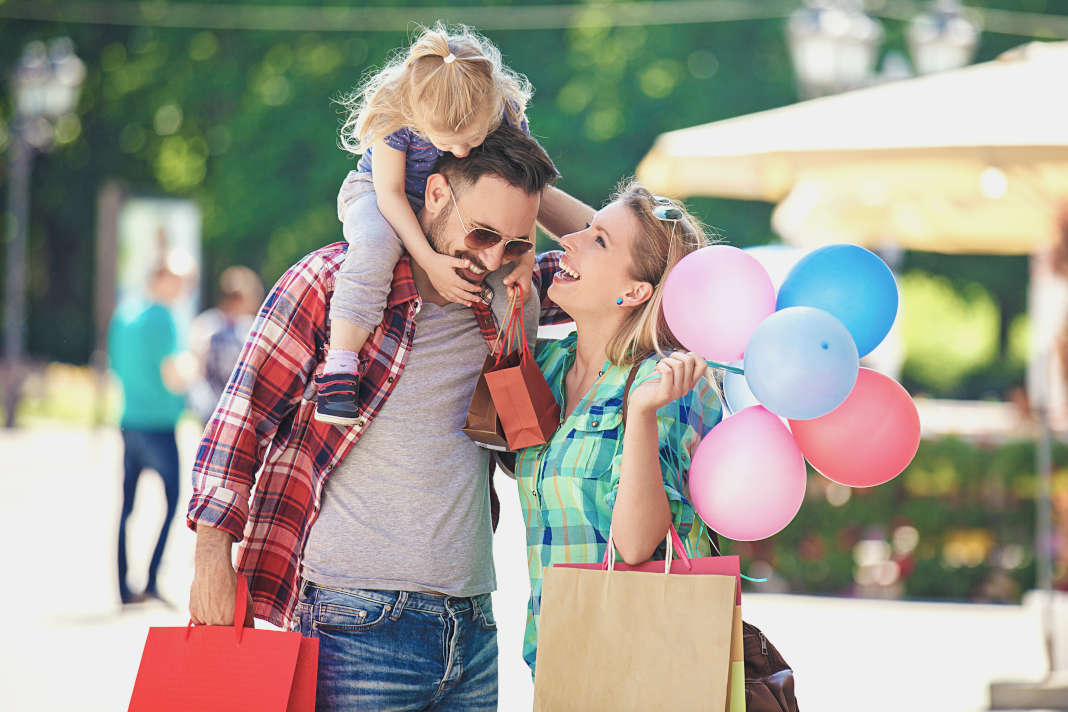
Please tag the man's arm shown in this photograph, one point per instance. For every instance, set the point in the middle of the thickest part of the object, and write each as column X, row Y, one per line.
column 548, row 264
column 560, row 214
column 213, row 594
column 276, row 363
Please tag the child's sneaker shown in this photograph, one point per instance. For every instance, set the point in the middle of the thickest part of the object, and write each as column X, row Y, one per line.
column 336, row 400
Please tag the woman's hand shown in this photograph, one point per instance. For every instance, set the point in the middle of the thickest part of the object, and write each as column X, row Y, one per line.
column 676, row 375
column 522, row 276
column 441, row 269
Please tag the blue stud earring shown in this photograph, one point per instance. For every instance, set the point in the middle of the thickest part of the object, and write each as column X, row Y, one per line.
column 619, row 301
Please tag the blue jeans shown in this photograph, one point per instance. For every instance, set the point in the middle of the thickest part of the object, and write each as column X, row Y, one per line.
column 396, row 650
column 152, row 450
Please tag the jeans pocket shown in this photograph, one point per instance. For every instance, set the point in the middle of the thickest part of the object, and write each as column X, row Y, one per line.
column 333, row 617
column 485, row 615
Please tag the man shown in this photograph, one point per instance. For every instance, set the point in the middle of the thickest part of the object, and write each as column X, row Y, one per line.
column 375, row 538
column 144, row 353
column 217, row 335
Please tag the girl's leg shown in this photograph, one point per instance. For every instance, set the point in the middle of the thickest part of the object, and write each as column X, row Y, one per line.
column 358, row 303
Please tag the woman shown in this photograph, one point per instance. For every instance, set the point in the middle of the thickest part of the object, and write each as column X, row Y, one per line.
column 594, row 472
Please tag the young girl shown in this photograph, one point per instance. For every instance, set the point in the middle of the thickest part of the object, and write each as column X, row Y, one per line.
column 445, row 94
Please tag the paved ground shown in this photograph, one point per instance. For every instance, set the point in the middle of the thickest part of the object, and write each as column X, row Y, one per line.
column 68, row 646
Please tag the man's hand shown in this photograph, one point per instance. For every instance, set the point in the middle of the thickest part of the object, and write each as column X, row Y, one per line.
column 214, row 589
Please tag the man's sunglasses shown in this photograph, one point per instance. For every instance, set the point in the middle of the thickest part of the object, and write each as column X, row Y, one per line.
column 482, row 238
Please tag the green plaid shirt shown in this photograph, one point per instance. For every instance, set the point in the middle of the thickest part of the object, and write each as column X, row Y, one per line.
column 567, row 487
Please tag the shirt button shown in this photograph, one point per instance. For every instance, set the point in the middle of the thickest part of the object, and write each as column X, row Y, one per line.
column 595, row 423
column 390, row 379
column 360, row 423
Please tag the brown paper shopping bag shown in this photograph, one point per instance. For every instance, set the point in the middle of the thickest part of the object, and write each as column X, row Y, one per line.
column 638, row 639
column 482, row 424
column 525, row 404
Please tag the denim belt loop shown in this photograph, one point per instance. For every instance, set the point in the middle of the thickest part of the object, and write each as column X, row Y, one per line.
column 398, row 609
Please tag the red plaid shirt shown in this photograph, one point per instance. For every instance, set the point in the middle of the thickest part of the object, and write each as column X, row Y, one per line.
column 264, row 420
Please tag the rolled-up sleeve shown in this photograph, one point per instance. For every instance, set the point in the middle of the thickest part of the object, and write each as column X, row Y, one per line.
column 263, row 392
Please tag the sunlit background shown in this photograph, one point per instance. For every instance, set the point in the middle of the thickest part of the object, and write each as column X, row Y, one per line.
column 227, row 110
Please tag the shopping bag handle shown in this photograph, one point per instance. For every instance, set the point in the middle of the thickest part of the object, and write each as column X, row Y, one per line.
column 501, row 348
column 240, row 610
column 673, row 542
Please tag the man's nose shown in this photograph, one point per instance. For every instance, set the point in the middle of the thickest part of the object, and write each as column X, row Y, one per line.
column 493, row 257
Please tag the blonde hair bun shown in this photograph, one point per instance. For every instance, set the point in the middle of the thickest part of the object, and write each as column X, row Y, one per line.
column 426, row 89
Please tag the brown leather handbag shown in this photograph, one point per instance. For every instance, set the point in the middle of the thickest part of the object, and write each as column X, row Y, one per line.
column 769, row 681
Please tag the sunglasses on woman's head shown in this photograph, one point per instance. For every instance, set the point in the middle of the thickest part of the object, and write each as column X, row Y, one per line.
column 666, row 210
column 482, row 238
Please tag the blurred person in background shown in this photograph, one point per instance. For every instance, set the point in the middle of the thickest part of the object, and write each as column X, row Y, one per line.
column 144, row 352
column 217, row 335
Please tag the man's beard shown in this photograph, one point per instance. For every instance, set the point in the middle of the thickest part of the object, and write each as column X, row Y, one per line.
column 435, row 235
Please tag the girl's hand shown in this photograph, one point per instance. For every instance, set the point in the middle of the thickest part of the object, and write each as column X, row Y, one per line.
column 522, row 276
column 674, row 377
column 441, row 269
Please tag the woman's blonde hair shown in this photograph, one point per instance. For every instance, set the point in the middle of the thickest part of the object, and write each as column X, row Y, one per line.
column 450, row 80
column 658, row 246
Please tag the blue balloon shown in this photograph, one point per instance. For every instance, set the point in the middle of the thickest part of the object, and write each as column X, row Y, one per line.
column 736, row 391
column 801, row 363
column 850, row 283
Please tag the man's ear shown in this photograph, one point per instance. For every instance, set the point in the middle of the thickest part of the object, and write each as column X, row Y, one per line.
column 438, row 193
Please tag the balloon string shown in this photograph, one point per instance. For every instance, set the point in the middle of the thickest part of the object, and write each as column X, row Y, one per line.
column 725, row 367
column 713, row 364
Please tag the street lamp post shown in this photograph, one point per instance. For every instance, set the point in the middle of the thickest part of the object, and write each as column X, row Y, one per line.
column 834, row 46
column 45, row 85
column 943, row 38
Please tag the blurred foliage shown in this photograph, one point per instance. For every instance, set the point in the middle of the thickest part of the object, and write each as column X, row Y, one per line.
column 242, row 122
column 957, row 524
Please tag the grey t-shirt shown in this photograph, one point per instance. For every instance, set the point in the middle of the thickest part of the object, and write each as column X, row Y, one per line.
column 408, row 508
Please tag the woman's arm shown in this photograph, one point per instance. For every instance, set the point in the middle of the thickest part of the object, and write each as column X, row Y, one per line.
column 641, row 515
column 560, row 214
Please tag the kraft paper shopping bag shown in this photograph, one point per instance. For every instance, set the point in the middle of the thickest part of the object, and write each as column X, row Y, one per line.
column 613, row 637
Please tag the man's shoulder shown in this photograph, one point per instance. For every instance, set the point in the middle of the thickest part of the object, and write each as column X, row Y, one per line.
column 317, row 267
column 327, row 258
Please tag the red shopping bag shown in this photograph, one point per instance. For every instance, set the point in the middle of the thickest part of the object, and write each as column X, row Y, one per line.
column 528, row 412
column 226, row 668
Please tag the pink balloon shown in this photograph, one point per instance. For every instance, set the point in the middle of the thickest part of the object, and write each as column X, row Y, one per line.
column 714, row 298
column 867, row 440
column 747, row 478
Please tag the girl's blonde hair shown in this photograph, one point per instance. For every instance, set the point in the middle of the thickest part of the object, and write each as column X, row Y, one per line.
column 450, row 80
column 659, row 245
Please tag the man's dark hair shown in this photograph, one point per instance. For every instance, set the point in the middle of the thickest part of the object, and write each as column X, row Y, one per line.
column 507, row 153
